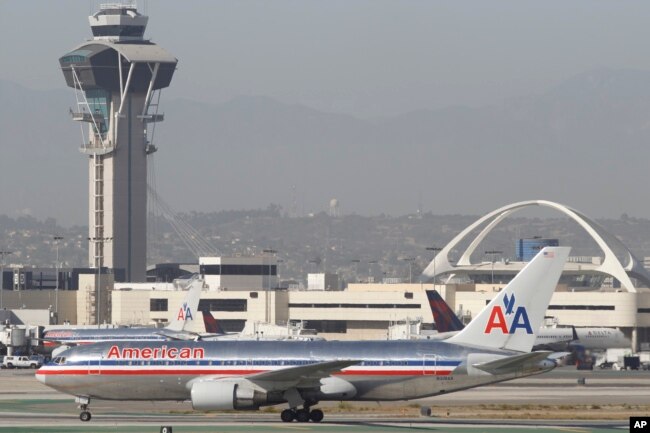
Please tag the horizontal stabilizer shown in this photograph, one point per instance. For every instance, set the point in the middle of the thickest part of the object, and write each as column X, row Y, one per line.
column 513, row 363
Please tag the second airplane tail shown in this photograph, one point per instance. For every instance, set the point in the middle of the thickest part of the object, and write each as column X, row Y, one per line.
column 188, row 308
column 443, row 316
column 511, row 320
column 211, row 324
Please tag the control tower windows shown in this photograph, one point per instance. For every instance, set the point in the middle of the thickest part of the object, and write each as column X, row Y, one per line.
column 118, row 31
column 98, row 103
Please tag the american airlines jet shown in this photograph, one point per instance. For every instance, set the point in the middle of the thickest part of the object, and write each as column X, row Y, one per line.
column 246, row 375
column 186, row 312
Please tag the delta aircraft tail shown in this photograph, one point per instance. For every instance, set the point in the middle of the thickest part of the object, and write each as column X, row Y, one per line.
column 443, row 316
column 512, row 318
column 211, row 324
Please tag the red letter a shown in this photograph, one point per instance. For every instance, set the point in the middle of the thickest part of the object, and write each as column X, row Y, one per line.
column 496, row 320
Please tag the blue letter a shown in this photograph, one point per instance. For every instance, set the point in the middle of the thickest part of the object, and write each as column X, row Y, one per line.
column 521, row 321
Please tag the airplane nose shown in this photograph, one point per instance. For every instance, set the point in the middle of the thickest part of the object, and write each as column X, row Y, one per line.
column 40, row 376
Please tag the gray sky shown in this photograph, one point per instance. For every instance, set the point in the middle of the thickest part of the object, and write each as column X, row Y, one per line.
column 369, row 59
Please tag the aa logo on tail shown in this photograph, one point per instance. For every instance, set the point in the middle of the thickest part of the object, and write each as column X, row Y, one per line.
column 185, row 313
column 498, row 321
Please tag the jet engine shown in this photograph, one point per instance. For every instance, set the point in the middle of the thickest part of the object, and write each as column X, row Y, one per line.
column 225, row 394
column 332, row 388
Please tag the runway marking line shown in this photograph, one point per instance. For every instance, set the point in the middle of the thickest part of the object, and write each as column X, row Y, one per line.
column 577, row 430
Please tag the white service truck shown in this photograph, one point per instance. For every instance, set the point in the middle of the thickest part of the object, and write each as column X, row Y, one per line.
column 21, row 362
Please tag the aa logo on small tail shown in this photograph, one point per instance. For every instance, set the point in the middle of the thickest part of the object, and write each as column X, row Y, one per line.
column 509, row 303
column 185, row 313
column 498, row 319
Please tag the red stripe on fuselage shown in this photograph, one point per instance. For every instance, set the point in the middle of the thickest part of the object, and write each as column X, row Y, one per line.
column 145, row 372
column 65, row 343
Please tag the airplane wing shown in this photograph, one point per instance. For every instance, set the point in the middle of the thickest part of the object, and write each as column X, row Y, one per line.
column 302, row 376
column 511, row 363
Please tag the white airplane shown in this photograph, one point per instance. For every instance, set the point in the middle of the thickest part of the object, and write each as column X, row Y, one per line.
column 187, row 312
column 601, row 339
column 240, row 375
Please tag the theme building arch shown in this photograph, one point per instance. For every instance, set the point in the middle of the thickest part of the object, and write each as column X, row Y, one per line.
column 610, row 266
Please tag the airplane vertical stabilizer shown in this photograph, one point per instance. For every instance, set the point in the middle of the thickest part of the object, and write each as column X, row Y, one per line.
column 211, row 324
column 188, row 310
column 443, row 316
column 511, row 320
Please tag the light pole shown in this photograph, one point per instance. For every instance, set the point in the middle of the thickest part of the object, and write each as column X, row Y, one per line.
column 410, row 261
column 370, row 263
column 268, row 294
column 2, row 274
column 99, row 259
column 492, row 253
column 435, row 250
column 356, row 267
column 56, row 266
column 278, row 272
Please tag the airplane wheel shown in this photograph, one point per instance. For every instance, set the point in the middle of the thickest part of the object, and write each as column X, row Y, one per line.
column 287, row 415
column 316, row 415
column 302, row 415
column 85, row 416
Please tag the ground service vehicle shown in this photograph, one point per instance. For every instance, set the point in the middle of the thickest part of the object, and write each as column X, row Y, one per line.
column 21, row 362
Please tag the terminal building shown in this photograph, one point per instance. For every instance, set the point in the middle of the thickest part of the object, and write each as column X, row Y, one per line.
column 241, row 289
column 526, row 249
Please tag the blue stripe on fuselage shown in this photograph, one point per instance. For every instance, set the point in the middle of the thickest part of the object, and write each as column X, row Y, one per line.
column 260, row 363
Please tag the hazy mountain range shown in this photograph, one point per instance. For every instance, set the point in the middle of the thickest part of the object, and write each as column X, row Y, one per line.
column 583, row 143
column 352, row 245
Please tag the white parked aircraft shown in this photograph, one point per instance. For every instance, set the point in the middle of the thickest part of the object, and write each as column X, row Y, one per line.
column 186, row 313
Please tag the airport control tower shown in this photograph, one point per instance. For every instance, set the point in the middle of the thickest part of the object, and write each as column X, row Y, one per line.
column 117, row 77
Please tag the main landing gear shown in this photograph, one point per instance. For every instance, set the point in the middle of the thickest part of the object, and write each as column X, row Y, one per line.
column 302, row 415
column 85, row 416
column 83, row 405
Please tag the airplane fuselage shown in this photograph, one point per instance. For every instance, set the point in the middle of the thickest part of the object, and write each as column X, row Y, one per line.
column 384, row 370
column 601, row 339
column 56, row 337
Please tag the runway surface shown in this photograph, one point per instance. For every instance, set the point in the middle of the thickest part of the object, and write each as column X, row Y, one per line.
column 603, row 404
